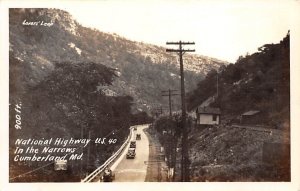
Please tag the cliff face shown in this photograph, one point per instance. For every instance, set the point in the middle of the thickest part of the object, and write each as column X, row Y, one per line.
column 143, row 70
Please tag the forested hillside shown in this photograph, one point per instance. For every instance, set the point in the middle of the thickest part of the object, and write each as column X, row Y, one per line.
column 68, row 104
column 233, row 151
column 260, row 81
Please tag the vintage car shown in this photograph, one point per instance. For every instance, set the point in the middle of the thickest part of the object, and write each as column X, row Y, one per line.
column 138, row 137
column 131, row 153
column 132, row 144
column 108, row 175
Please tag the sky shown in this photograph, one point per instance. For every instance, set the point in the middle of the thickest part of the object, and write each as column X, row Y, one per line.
column 223, row 29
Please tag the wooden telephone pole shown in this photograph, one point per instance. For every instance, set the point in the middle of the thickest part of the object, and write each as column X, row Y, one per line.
column 185, row 155
column 170, row 93
column 158, row 110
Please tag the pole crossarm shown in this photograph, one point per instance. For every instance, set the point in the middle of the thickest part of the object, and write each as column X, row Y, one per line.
column 169, row 90
column 180, row 42
column 170, row 94
column 182, row 50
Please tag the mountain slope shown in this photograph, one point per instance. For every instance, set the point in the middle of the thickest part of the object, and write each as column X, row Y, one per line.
column 143, row 70
column 229, row 153
column 76, row 82
column 65, row 104
column 260, row 81
column 239, row 152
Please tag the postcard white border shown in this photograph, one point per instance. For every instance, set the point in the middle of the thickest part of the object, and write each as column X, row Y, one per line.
column 294, row 185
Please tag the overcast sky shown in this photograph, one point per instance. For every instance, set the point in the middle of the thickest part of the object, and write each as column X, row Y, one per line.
column 221, row 29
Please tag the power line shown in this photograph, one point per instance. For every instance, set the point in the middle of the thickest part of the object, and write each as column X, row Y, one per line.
column 185, row 160
column 31, row 171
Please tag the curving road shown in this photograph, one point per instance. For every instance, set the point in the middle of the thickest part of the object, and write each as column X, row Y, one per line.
column 133, row 170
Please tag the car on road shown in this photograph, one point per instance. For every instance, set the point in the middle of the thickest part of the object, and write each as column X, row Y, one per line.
column 131, row 153
column 132, row 144
column 108, row 175
column 138, row 137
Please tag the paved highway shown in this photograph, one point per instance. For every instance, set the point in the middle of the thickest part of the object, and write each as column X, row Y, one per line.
column 133, row 170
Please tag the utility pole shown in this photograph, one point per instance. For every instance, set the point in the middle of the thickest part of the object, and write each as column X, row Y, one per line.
column 170, row 139
column 88, row 154
column 81, row 152
column 170, row 94
column 185, row 156
column 158, row 110
column 217, row 85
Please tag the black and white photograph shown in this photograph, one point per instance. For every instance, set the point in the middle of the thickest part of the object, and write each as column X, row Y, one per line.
column 165, row 92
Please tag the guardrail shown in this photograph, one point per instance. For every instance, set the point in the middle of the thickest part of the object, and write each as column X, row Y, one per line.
column 96, row 172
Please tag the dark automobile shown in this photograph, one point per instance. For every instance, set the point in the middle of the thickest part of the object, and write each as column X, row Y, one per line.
column 108, row 175
column 138, row 137
column 132, row 144
column 131, row 153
